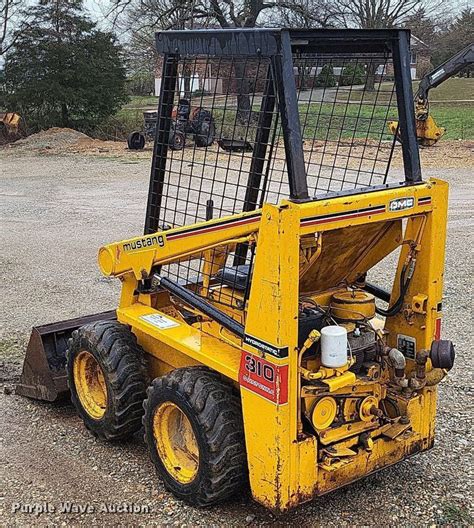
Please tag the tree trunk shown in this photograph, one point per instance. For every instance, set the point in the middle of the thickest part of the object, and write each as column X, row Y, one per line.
column 64, row 115
column 187, row 81
column 243, row 90
column 370, row 79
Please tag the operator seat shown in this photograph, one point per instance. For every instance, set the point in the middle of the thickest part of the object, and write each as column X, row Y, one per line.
column 237, row 277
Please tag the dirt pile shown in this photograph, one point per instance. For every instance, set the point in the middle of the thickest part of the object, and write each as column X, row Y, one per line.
column 445, row 154
column 52, row 138
column 66, row 140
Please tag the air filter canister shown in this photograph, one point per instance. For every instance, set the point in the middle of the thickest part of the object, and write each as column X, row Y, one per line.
column 333, row 346
column 356, row 305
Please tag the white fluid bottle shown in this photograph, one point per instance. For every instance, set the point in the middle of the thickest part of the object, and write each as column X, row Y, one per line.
column 333, row 346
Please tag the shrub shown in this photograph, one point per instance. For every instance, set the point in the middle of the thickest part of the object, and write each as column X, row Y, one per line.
column 200, row 92
column 352, row 74
column 117, row 127
column 326, row 78
column 141, row 83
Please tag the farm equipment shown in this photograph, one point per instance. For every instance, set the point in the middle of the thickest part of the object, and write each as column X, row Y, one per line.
column 9, row 126
column 250, row 337
column 186, row 120
column 427, row 131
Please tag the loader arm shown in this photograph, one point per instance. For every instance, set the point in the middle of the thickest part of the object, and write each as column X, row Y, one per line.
column 427, row 131
column 445, row 71
column 140, row 254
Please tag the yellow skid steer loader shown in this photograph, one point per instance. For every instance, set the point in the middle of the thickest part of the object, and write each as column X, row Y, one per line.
column 279, row 320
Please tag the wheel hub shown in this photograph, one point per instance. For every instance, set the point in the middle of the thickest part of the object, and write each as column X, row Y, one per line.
column 90, row 384
column 176, row 442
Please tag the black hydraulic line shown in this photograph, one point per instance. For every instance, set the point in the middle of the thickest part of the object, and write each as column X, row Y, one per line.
column 199, row 304
column 380, row 293
column 397, row 305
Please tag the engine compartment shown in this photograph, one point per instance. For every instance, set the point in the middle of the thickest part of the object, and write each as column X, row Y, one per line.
column 351, row 400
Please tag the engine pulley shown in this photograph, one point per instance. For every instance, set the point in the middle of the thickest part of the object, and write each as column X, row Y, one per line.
column 324, row 412
column 367, row 405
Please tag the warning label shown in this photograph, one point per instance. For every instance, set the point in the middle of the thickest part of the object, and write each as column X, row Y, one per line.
column 160, row 321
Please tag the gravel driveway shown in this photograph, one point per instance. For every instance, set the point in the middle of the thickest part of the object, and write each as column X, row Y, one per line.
column 57, row 211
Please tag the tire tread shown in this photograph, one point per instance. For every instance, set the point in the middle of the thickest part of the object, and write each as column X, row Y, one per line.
column 218, row 414
column 122, row 360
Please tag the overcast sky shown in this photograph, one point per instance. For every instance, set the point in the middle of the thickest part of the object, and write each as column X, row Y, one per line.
column 96, row 8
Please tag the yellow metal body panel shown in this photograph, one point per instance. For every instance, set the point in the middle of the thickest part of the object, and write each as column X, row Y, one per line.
column 309, row 249
column 183, row 338
column 428, row 276
column 274, row 456
column 352, row 250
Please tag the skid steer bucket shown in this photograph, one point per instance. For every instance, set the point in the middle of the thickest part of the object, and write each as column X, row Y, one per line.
column 44, row 370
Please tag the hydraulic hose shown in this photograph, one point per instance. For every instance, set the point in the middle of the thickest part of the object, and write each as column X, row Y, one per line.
column 199, row 304
column 407, row 271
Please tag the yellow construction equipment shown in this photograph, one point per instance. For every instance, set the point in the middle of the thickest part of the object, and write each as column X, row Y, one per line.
column 9, row 126
column 249, row 336
column 427, row 131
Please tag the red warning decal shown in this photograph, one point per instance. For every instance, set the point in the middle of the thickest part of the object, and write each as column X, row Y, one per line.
column 438, row 329
column 264, row 378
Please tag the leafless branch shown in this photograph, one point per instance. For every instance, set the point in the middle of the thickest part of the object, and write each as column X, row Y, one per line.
column 12, row 18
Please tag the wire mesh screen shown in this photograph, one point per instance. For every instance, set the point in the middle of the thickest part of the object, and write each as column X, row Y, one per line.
column 216, row 120
column 212, row 137
column 345, row 104
column 220, row 145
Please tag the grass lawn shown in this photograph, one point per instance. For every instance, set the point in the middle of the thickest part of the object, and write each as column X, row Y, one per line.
column 322, row 122
column 452, row 107
column 141, row 101
column 457, row 118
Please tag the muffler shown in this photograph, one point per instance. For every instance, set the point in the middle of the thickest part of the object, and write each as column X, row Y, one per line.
column 44, row 369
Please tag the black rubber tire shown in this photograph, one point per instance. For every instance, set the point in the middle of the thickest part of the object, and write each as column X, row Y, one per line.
column 122, row 360
column 177, row 140
column 206, row 135
column 204, row 128
column 136, row 141
column 216, row 418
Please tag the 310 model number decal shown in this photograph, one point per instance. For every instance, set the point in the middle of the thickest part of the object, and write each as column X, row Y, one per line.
column 264, row 378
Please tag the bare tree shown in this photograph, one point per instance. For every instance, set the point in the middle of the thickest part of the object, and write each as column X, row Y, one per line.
column 13, row 15
column 380, row 14
column 181, row 14
column 149, row 15
column 305, row 14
